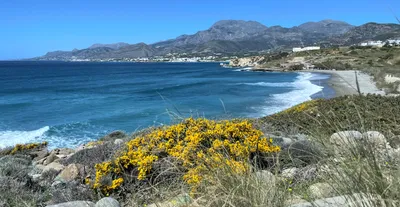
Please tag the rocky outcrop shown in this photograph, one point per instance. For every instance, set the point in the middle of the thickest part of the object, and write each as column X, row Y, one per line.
column 247, row 61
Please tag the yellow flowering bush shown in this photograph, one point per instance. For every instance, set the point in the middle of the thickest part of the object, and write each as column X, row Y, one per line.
column 198, row 144
column 22, row 147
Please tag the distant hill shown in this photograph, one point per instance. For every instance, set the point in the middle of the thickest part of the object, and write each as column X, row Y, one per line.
column 327, row 27
column 369, row 31
column 238, row 36
column 112, row 46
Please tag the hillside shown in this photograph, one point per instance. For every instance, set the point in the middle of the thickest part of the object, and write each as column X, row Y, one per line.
column 236, row 37
column 307, row 155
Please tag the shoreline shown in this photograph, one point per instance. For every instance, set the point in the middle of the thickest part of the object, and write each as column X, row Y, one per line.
column 344, row 82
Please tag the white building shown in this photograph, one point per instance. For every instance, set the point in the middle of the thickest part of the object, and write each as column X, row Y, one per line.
column 300, row 49
column 393, row 42
column 372, row 43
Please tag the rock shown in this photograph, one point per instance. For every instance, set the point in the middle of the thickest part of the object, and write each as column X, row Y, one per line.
column 343, row 141
column 294, row 200
column 36, row 177
column 394, row 155
column 89, row 145
column 113, row 136
column 63, row 151
column 54, row 166
column 307, row 173
column 51, row 158
column 118, row 142
column 345, row 201
column 321, row 190
column 70, row 173
column 377, row 139
column 41, row 161
column 83, row 146
column 39, row 154
column 345, row 137
column 395, row 141
column 107, row 202
column 289, row 173
column 266, row 176
column 74, row 204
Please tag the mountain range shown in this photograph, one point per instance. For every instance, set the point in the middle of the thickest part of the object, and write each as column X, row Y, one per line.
column 237, row 37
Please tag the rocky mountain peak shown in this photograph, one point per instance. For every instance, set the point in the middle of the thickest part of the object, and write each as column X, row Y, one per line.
column 328, row 26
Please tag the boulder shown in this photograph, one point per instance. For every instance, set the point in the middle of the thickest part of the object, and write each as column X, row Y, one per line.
column 266, row 176
column 107, row 202
column 70, row 173
column 394, row 155
column 307, row 173
column 344, row 141
column 113, row 136
column 54, row 166
column 118, row 142
column 321, row 190
column 395, row 141
column 289, row 173
column 51, row 158
column 39, row 153
column 344, row 138
column 377, row 139
column 74, row 204
column 41, row 161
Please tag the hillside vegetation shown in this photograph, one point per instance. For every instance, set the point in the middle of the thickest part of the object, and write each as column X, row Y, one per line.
column 344, row 150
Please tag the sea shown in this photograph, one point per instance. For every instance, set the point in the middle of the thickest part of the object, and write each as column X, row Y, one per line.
column 70, row 103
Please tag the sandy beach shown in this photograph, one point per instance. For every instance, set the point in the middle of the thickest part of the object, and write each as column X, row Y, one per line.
column 344, row 82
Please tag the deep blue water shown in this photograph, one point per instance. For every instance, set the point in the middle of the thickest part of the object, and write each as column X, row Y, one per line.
column 69, row 103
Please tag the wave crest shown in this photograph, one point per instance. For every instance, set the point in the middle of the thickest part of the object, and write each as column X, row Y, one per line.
column 11, row 138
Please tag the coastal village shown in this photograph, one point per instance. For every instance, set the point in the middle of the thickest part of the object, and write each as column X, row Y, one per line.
column 219, row 57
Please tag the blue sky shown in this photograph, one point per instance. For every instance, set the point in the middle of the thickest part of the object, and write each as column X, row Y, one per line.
column 31, row 28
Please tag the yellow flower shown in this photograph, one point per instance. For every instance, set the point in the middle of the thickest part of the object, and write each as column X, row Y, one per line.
column 198, row 144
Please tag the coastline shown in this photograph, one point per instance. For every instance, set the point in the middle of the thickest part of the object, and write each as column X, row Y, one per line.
column 344, row 82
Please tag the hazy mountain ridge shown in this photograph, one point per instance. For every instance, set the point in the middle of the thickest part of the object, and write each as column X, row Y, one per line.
column 238, row 36
column 330, row 27
column 113, row 46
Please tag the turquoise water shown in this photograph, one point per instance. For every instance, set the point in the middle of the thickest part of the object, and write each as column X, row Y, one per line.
column 69, row 103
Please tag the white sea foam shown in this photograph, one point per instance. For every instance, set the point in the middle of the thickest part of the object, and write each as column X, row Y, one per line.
column 268, row 84
column 243, row 69
column 303, row 90
column 11, row 138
